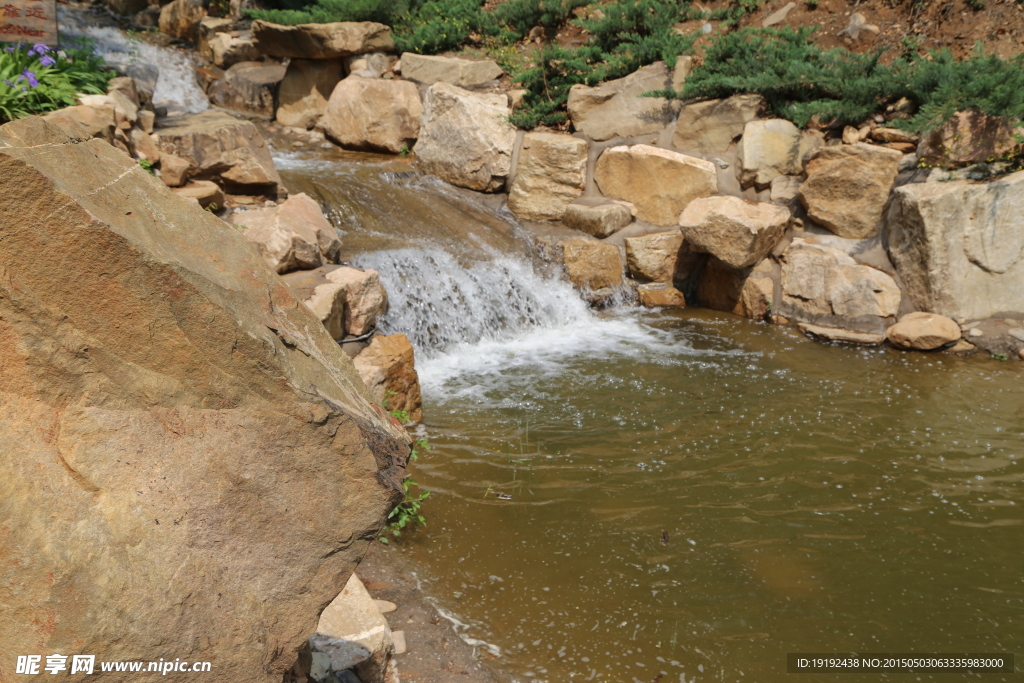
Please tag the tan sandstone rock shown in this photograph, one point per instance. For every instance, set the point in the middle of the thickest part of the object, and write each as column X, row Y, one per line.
column 712, row 127
column 738, row 232
column 660, row 295
column 653, row 256
column 180, row 18
column 847, row 187
column 183, row 448
column 208, row 29
column 173, row 170
column 616, row 108
column 322, row 41
column 841, row 335
column 552, row 172
column 249, row 87
column 305, row 90
column 373, row 114
column 958, row 246
column 747, row 292
column 207, row 193
column 923, row 331
column 98, row 122
column 430, row 69
column 465, row 138
column 291, row 236
column 353, row 634
column 221, row 147
column 387, row 367
column 145, row 147
column 600, row 220
column 347, row 300
column 592, row 265
column 768, row 149
column 820, row 280
column 227, row 50
column 659, row 182
column 969, row 137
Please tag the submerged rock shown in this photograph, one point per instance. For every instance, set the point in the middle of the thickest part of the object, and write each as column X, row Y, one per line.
column 183, row 448
column 660, row 295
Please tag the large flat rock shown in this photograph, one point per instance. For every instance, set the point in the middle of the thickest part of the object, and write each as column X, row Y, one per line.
column 322, row 41
column 190, row 467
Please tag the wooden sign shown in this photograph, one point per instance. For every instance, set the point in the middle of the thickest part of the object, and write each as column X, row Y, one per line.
column 28, row 21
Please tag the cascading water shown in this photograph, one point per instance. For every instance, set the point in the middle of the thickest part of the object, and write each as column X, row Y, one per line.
column 175, row 71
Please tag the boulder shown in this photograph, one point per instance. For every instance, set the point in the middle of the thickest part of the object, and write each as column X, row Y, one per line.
column 465, row 138
column 958, row 245
column 209, row 28
column 969, row 137
column 127, row 8
column 293, row 235
column 660, row 295
column 222, row 148
column 180, row 18
column 824, row 281
column 373, row 114
column 653, row 256
column 712, row 127
column 616, row 108
column 126, row 112
column 305, row 90
column 659, row 182
column 736, row 231
column 552, row 171
column 592, row 265
column 125, row 85
column 147, row 120
column 745, row 292
column 768, row 149
column 226, row 50
column 923, row 331
column 97, row 122
column 430, row 69
column 841, row 335
column 144, row 146
column 249, row 87
column 387, row 367
column 321, row 41
column 173, row 170
column 847, row 187
column 206, row 193
column 183, row 448
column 353, row 634
column 599, row 220
column 365, row 298
column 148, row 18
column 786, row 188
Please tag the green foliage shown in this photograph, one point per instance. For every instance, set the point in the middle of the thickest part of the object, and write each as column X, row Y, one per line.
column 147, row 166
column 999, row 356
column 408, row 511
column 36, row 79
column 514, row 19
column 437, row 25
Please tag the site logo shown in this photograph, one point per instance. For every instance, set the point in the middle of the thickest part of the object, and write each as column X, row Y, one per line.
column 86, row 664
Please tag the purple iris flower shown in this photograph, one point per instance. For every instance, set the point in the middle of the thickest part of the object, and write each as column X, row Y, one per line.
column 38, row 49
column 47, row 60
column 8, row 82
column 31, row 78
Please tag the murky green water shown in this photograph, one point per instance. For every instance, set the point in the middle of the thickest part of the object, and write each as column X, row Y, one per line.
column 815, row 498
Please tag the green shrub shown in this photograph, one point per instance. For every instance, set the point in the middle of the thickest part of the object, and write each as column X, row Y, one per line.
column 38, row 79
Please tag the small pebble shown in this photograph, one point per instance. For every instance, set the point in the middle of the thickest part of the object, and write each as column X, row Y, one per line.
column 326, row 145
column 1021, row 354
column 975, row 332
column 399, row 638
column 1017, row 333
column 1011, row 322
column 298, row 144
column 384, row 606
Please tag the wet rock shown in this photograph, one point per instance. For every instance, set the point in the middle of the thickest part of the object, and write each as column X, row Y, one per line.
column 208, row 29
column 819, row 280
column 968, row 138
column 712, row 127
column 249, row 87
column 738, row 232
column 848, row 186
column 173, row 170
column 227, row 50
column 387, row 367
column 465, row 138
column 768, row 149
column 293, row 235
column 653, row 256
column 159, row 425
column 180, row 18
column 207, row 193
column 592, row 265
column 352, row 633
column 430, row 69
column 660, row 295
column 599, row 220
column 305, row 90
column 616, row 108
column 322, row 41
column 552, row 172
column 923, row 331
column 958, row 246
column 373, row 114
column 222, row 148
column 841, row 335
column 658, row 182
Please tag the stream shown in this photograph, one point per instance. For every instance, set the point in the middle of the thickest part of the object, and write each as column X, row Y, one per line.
column 686, row 496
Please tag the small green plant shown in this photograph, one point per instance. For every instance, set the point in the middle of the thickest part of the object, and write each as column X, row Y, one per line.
column 212, row 207
column 999, row 356
column 408, row 510
column 405, row 151
column 147, row 166
column 241, row 227
column 976, row 5
column 811, row 4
